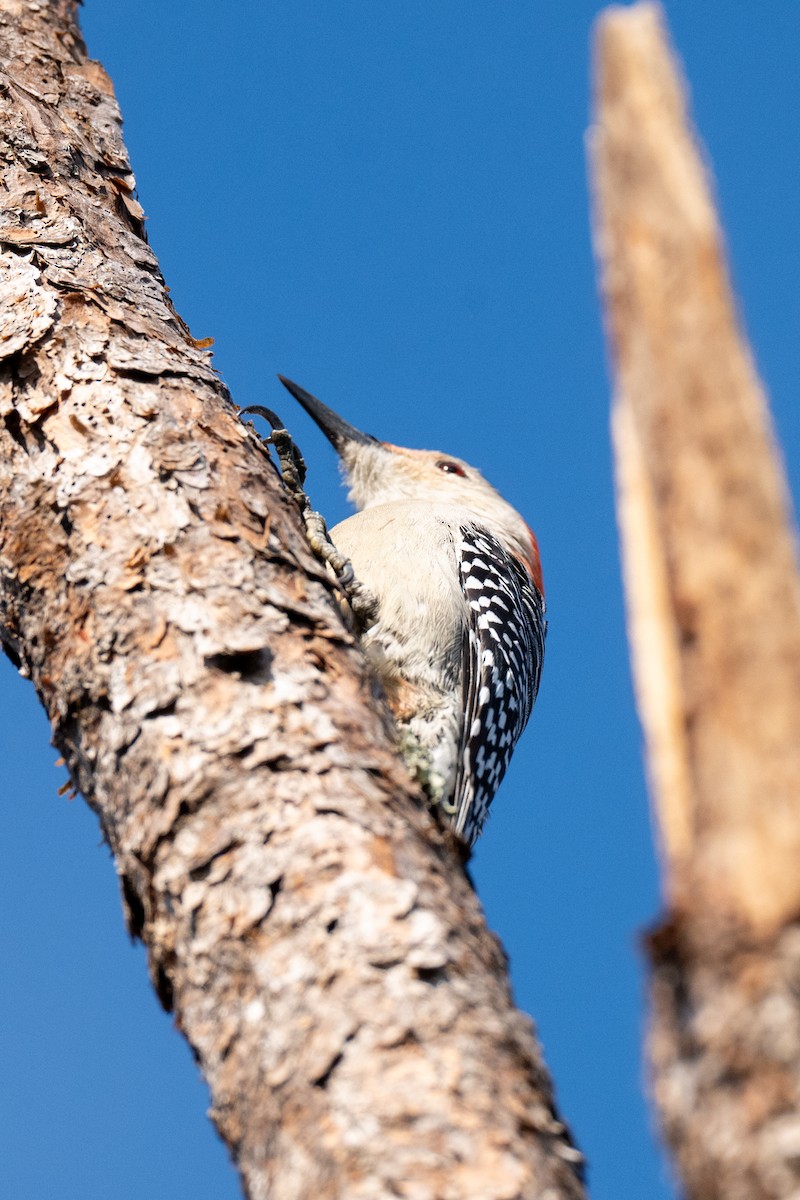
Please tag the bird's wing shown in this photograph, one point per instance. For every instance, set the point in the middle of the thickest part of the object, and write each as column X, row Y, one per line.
column 502, row 655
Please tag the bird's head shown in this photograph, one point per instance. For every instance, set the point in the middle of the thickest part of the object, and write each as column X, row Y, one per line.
column 381, row 473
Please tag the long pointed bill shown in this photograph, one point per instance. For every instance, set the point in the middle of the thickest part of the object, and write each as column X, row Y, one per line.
column 337, row 431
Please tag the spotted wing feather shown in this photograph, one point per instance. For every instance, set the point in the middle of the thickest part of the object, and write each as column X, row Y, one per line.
column 502, row 657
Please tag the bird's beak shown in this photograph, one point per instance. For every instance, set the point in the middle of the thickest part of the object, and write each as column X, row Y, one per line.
column 337, row 431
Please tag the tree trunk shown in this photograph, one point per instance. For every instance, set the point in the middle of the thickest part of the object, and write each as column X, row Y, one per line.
column 306, row 919
column 714, row 617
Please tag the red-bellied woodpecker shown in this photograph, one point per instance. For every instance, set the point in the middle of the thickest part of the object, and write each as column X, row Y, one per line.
column 458, row 636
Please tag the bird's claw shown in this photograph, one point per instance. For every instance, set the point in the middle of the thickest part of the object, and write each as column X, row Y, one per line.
column 363, row 604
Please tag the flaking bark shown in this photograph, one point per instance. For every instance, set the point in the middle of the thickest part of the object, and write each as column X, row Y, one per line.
column 714, row 618
column 306, row 919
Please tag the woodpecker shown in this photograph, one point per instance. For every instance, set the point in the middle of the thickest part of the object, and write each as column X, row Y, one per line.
column 458, row 633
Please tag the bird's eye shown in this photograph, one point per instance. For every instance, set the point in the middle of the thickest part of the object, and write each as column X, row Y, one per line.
column 451, row 468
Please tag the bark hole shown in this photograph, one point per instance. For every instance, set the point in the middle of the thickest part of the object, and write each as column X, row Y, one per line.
column 253, row 666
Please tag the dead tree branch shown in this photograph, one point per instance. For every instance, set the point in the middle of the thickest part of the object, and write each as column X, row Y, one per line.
column 714, row 619
column 306, row 920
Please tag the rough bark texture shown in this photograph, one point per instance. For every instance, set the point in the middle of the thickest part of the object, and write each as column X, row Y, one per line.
column 306, row 919
column 714, row 617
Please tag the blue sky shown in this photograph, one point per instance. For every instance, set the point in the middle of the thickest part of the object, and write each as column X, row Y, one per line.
column 387, row 202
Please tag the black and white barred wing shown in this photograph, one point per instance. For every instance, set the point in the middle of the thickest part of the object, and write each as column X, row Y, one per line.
column 502, row 662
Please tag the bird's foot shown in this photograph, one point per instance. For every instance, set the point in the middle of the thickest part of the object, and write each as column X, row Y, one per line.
column 363, row 603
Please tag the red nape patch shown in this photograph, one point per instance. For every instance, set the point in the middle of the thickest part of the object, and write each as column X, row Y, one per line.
column 535, row 564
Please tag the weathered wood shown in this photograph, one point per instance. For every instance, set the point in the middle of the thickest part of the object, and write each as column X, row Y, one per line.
column 714, row 619
column 713, row 559
column 305, row 917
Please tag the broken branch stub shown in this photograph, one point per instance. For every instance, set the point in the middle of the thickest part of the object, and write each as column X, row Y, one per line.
column 708, row 543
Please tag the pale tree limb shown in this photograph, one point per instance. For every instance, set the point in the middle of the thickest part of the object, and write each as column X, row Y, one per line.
column 306, row 919
column 714, row 617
